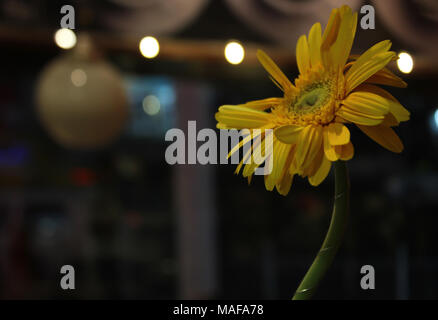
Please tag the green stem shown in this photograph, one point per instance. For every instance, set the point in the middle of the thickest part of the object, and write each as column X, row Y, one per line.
column 333, row 238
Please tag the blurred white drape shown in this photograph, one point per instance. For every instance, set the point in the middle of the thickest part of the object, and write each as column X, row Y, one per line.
column 156, row 17
column 414, row 22
column 284, row 20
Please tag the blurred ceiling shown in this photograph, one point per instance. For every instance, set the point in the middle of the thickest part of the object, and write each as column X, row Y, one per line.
column 201, row 26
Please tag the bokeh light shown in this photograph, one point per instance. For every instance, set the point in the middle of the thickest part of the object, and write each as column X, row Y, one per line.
column 405, row 62
column 435, row 117
column 149, row 47
column 435, row 121
column 234, row 52
column 78, row 77
column 151, row 105
column 65, row 38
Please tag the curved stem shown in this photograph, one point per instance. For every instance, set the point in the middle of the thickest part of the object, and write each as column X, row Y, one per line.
column 333, row 238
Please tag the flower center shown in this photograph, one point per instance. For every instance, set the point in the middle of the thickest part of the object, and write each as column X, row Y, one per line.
column 314, row 104
column 311, row 99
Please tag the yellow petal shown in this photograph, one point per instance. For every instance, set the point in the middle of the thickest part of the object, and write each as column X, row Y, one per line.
column 280, row 154
column 315, row 164
column 364, row 108
column 263, row 104
column 285, row 184
column 400, row 112
column 321, row 173
column 367, row 102
column 329, row 36
column 302, row 53
column 249, row 169
column 378, row 48
column 249, row 137
column 368, row 69
column 239, row 117
column 244, row 160
column 346, row 151
column 329, row 150
column 315, row 44
column 275, row 72
column 338, row 134
column 308, row 145
column 250, row 163
column 264, row 149
column 360, row 118
column 288, row 134
column 384, row 136
column 390, row 121
column 291, row 164
column 341, row 48
column 331, row 30
column 256, row 143
column 370, row 62
column 353, row 57
column 221, row 126
column 260, row 150
column 386, row 77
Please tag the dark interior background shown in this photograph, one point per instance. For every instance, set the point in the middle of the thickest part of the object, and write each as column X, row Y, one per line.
column 135, row 227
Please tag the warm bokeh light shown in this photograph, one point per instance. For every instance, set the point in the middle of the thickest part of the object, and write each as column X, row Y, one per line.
column 234, row 52
column 405, row 62
column 151, row 105
column 65, row 38
column 78, row 77
column 149, row 47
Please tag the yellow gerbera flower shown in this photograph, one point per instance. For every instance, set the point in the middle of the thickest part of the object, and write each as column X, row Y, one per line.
column 333, row 90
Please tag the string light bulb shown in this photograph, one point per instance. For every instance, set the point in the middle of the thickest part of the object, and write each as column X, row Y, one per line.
column 405, row 63
column 149, row 47
column 65, row 38
column 234, row 52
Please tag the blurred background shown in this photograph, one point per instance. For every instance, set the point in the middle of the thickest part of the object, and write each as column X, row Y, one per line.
column 83, row 179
